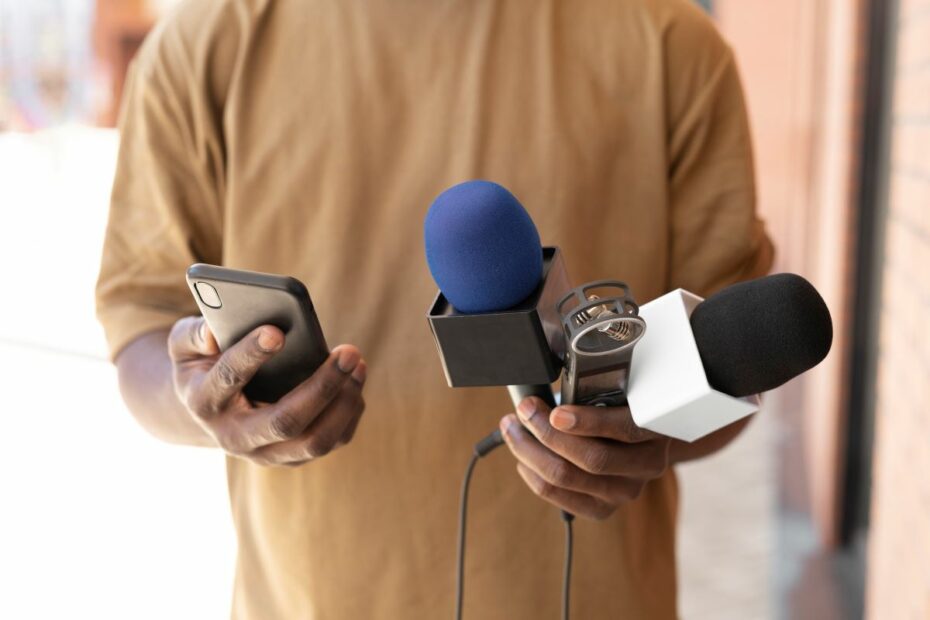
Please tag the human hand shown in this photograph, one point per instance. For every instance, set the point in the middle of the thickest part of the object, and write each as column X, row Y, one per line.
column 315, row 417
column 585, row 460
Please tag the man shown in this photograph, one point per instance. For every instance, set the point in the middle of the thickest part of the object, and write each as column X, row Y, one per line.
column 308, row 138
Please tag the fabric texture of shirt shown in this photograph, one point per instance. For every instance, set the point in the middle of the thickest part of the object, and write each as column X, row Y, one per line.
column 308, row 138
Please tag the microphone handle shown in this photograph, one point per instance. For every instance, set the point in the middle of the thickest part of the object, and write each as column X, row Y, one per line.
column 517, row 394
column 543, row 391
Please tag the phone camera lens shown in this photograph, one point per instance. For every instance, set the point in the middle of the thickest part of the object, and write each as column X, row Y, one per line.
column 208, row 295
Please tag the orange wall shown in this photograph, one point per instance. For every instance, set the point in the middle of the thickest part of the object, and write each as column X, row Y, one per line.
column 119, row 27
column 899, row 545
column 800, row 64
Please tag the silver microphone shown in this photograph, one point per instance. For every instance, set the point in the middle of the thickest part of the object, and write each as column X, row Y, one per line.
column 600, row 333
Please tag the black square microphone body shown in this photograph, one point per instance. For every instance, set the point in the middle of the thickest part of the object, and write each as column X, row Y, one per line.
column 522, row 345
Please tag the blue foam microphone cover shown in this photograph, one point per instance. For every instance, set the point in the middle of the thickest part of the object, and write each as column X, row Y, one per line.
column 482, row 248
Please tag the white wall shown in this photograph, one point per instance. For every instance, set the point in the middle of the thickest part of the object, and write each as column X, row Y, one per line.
column 97, row 519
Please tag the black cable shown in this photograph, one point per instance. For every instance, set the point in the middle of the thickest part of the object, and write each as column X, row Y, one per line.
column 483, row 448
column 463, row 506
column 567, row 518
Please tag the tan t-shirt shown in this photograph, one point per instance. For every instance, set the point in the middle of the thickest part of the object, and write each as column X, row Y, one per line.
column 308, row 138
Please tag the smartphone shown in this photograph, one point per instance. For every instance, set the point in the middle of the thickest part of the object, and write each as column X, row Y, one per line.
column 234, row 302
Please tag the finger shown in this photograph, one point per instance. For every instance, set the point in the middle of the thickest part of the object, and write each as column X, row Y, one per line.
column 322, row 436
column 359, row 377
column 349, row 433
column 191, row 338
column 551, row 467
column 299, row 408
column 360, row 374
column 576, row 503
column 592, row 454
column 237, row 366
column 609, row 422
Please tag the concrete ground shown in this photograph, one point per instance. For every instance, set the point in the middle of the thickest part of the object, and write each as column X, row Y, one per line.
column 100, row 519
column 726, row 547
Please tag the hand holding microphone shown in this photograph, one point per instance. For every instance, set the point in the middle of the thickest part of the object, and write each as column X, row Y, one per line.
column 505, row 327
column 692, row 375
column 506, row 315
column 687, row 367
column 583, row 459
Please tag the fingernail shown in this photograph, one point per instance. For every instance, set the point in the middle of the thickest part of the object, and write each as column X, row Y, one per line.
column 508, row 426
column 268, row 340
column 348, row 359
column 563, row 419
column 527, row 409
column 360, row 374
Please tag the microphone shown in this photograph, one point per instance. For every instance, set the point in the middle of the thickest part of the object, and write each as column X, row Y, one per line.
column 482, row 247
column 507, row 315
column 701, row 364
column 756, row 335
column 494, row 319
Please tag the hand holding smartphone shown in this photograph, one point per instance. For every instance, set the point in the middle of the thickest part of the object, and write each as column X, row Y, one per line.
column 233, row 302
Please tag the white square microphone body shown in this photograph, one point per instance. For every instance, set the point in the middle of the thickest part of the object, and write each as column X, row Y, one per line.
column 668, row 391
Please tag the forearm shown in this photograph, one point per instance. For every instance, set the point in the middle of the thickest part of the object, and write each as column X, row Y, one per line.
column 146, row 385
column 682, row 451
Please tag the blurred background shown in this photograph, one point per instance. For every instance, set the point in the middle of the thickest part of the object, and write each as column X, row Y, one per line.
column 821, row 510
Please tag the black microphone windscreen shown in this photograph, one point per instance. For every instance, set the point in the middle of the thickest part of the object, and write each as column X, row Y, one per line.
column 757, row 335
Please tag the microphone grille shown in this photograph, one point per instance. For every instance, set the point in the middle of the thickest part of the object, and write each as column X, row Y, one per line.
column 757, row 335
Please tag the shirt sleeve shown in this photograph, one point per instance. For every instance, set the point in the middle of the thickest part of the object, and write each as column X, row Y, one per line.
column 165, row 209
column 716, row 237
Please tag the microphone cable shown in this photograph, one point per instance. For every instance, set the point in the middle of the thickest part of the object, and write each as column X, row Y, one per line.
column 567, row 518
column 482, row 449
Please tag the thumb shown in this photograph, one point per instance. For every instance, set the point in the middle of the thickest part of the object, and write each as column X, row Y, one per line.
column 190, row 337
